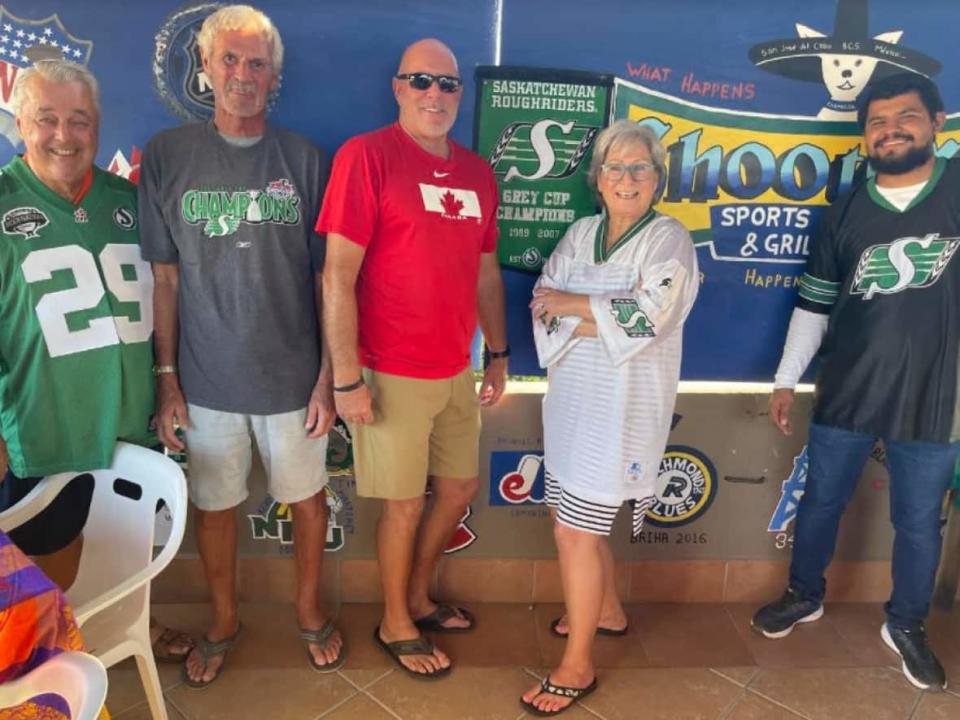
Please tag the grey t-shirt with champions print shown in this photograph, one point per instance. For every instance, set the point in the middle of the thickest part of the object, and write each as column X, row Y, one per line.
column 238, row 223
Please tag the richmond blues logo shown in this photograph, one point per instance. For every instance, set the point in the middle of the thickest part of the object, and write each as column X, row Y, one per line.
column 909, row 262
column 793, row 488
column 628, row 315
column 686, row 487
column 222, row 210
column 22, row 43
column 543, row 149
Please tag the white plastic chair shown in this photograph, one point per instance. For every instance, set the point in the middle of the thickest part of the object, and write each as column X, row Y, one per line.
column 111, row 595
column 80, row 679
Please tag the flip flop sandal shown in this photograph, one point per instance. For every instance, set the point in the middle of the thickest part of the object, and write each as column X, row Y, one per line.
column 416, row 646
column 434, row 622
column 610, row 632
column 576, row 694
column 209, row 650
column 320, row 637
column 161, row 646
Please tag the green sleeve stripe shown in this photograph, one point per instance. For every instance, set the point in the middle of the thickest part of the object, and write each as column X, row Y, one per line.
column 817, row 297
column 822, row 285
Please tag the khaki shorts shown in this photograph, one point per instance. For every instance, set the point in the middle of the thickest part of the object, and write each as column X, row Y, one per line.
column 420, row 428
column 220, row 455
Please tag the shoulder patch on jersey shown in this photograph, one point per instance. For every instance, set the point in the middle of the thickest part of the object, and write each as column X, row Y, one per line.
column 628, row 315
column 26, row 221
column 125, row 218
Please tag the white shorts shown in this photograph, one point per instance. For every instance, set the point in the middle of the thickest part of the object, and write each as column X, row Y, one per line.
column 219, row 457
column 587, row 515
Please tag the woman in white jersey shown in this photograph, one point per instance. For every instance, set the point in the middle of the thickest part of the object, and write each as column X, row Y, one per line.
column 608, row 323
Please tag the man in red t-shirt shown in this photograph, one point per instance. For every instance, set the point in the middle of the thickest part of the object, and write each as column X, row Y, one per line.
column 410, row 218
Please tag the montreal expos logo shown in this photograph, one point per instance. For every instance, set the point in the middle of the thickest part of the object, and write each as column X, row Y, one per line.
column 516, row 478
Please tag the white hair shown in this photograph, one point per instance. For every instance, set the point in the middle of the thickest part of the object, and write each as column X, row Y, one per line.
column 55, row 71
column 240, row 17
column 626, row 132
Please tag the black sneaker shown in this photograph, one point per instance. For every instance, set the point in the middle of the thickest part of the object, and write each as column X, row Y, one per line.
column 920, row 665
column 778, row 619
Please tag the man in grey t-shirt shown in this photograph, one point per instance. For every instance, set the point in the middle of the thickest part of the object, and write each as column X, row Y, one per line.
column 226, row 209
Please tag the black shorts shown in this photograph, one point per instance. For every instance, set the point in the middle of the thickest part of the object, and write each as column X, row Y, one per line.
column 58, row 524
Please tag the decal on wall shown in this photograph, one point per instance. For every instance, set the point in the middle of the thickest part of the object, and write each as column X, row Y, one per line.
column 22, row 43
column 844, row 61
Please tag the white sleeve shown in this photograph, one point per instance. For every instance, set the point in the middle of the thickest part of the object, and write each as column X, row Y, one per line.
column 629, row 322
column 803, row 340
column 553, row 342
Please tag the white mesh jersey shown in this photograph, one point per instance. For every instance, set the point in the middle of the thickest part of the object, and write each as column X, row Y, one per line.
column 608, row 409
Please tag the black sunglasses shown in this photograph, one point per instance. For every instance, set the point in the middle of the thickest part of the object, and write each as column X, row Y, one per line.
column 423, row 81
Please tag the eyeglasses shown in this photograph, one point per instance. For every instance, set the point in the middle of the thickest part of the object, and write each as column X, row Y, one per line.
column 638, row 171
column 423, row 81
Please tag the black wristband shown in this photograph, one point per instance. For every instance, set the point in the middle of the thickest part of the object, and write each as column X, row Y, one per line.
column 349, row 388
column 488, row 355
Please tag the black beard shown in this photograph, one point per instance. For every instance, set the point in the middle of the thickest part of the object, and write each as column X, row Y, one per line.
column 911, row 160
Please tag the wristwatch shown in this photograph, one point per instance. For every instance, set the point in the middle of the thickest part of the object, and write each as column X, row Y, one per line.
column 489, row 355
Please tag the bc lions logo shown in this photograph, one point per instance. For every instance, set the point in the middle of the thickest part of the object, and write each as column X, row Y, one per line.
column 793, row 488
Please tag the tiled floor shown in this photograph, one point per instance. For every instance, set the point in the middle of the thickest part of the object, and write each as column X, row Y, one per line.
column 677, row 662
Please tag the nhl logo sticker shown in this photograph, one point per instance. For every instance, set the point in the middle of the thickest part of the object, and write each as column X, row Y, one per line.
column 80, row 215
column 178, row 66
column 26, row 221
column 124, row 218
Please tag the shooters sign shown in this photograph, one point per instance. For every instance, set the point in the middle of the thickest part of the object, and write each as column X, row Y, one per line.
column 536, row 127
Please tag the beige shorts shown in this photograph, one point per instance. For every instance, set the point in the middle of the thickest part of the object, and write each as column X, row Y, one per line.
column 220, row 455
column 420, row 428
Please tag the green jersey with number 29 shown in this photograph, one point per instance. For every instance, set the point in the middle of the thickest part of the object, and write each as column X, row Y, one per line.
column 77, row 324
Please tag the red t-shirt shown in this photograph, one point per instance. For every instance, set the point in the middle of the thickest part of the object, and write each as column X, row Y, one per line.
column 424, row 222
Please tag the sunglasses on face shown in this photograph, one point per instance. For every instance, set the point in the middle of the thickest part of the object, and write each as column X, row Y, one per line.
column 638, row 171
column 423, row 81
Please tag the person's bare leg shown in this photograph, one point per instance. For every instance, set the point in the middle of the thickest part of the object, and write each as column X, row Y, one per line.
column 61, row 566
column 309, row 538
column 217, row 544
column 450, row 498
column 581, row 570
column 396, row 534
column 612, row 614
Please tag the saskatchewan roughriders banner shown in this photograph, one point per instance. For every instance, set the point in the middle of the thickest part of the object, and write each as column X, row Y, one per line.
column 537, row 127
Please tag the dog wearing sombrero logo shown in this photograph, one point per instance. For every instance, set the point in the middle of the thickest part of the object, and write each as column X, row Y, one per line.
column 844, row 61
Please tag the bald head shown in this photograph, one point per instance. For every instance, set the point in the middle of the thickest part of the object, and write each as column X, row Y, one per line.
column 426, row 112
column 428, row 51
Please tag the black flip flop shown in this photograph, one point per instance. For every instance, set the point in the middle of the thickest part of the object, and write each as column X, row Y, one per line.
column 417, row 646
column 575, row 694
column 609, row 632
column 434, row 622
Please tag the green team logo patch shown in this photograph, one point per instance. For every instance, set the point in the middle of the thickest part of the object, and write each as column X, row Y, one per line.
column 631, row 318
column 221, row 212
column 909, row 262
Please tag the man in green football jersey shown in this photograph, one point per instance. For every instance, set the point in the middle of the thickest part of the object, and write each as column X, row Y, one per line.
column 75, row 342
